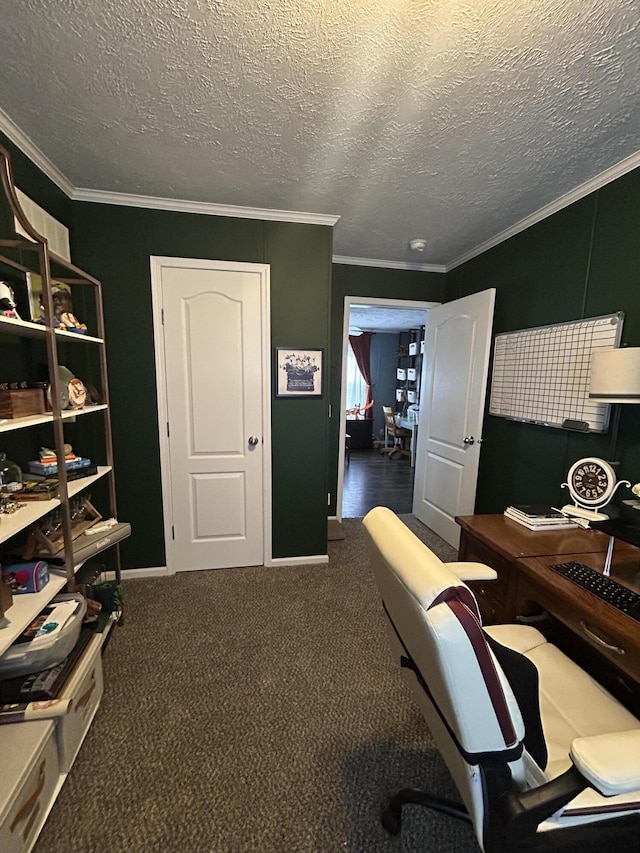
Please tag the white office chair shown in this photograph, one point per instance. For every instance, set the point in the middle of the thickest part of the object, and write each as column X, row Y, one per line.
column 543, row 757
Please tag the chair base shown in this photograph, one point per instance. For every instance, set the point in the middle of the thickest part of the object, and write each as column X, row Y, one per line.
column 621, row 834
column 392, row 815
column 396, row 448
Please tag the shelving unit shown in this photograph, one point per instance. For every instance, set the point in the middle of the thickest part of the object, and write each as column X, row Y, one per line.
column 409, row 369
column 33, row 350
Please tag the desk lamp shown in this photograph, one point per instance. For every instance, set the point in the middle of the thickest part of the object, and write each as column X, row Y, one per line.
column 615, row 378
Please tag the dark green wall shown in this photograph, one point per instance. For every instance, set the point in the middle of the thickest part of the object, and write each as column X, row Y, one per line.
column 115, row 243
column 378, row 283
column 581, row 262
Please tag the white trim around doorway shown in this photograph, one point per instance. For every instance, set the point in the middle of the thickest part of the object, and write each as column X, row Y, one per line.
column 348, row 302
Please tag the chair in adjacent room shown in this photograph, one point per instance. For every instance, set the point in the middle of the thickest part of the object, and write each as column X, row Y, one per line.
column 400, row 435
column 543, row 757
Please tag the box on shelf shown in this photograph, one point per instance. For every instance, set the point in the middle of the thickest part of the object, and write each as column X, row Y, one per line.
column 84, row 691
column 32, row 653
column 401, row 373
column 21, row 402
column 31, row 771
column 26, row 577
column 413, row 348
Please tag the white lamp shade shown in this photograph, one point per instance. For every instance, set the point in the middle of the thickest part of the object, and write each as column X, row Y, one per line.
column 615, row 375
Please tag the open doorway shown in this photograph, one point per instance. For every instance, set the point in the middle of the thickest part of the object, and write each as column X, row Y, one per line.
column 367, row 476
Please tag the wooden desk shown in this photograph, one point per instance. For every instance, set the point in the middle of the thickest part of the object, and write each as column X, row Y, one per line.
column 499, row 542
column 412, row 426
column 605, row 641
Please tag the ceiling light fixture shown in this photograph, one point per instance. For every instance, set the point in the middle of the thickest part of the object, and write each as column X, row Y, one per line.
column 418, row 245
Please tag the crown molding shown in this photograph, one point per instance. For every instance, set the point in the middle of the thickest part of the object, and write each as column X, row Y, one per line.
column 394, row 265
column 16, row 135
column 597, row 182
column 203, row 207
column 19, row 138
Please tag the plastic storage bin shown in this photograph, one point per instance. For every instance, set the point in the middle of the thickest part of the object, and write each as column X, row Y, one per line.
column 48, row 650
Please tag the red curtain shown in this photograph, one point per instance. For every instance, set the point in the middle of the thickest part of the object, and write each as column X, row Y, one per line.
column 361, row 346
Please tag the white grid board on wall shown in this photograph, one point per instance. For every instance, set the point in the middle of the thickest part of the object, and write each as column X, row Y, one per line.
column 541, row 375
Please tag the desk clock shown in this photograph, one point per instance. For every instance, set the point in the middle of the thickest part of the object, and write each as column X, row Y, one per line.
column 592, row 484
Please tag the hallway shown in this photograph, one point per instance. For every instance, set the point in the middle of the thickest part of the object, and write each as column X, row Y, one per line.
column 371, row 479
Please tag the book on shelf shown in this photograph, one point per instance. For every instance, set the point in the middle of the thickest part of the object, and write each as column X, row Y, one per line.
column 37, row 467
column 539, row 517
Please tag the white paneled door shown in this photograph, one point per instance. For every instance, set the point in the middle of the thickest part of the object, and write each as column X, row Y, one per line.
column 211, row 335
column 454, row 381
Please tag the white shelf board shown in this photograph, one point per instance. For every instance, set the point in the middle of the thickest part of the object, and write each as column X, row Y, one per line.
column 22, row 328
column 25, row 328
column 27, row 515
column 74, row 336
column 10, row 424
column 86, row 410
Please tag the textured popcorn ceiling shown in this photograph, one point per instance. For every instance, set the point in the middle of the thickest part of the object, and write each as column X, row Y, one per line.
column 447, row 120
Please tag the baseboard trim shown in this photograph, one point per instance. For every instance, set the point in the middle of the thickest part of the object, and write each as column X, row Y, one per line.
column 147, row 572
column 298, row 561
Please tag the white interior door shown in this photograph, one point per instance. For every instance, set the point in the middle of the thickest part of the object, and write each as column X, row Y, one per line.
column 454, row 381
column 213, row 348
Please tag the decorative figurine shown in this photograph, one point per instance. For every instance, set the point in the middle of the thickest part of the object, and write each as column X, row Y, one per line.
column 7, row 302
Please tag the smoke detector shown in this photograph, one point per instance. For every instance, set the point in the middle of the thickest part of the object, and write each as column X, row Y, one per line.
column 418, row 245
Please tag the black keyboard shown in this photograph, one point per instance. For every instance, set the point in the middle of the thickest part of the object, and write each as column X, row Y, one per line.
column 614, row 593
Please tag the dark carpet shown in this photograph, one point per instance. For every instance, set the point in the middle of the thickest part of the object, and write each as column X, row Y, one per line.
column 254, row 710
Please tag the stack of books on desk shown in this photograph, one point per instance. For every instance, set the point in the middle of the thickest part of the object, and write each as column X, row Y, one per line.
column 539, row 517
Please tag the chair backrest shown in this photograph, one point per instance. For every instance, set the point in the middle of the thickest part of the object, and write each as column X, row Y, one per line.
column 436, row 631
column 389, row 419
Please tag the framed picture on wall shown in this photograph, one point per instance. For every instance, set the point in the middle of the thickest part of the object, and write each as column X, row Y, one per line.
column 298, row 372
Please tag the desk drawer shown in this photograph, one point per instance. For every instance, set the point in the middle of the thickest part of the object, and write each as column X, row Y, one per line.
column 30, row 773
column 614, row 636
column 495, row 598
column 85, row 689
column 605, row 636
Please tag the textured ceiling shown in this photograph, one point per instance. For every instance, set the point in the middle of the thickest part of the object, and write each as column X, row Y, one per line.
column 447, row 120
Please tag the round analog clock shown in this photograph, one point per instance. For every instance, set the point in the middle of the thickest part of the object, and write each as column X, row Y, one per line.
column 591, row 483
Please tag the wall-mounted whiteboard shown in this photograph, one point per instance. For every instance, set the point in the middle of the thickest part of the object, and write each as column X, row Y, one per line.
column 542, row 375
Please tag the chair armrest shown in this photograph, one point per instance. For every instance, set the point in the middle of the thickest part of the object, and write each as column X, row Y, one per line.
column 472, row 571
column 610, row 762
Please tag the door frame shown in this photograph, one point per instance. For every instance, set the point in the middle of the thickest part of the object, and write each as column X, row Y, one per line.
column 378, row 302
column 157, row 262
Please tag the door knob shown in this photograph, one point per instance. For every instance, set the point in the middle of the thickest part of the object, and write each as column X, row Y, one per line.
column 253, row 440
column 468, row 440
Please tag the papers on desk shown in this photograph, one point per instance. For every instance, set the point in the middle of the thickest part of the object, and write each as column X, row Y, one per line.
column 539, row 517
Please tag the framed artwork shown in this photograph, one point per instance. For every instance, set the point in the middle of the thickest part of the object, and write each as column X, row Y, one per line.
column 298, row 372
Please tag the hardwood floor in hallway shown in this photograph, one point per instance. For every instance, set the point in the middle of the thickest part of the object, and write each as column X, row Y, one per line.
column 372, row 479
